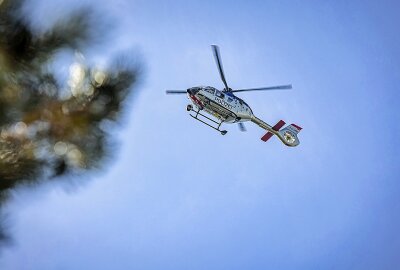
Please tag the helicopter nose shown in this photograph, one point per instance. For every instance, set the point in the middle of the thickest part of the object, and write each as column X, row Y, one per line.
column 192, row 91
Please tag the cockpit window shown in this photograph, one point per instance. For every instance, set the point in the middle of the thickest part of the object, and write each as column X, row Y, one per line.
column 210, row 90
column 230, row 99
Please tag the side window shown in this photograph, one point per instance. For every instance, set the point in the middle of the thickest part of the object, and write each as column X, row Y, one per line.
column 230, row 99
column 219, row 94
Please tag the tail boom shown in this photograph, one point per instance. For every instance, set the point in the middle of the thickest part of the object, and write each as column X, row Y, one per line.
column 277, row 127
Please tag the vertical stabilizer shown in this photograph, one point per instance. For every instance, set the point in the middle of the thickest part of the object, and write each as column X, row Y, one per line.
column 288, row 135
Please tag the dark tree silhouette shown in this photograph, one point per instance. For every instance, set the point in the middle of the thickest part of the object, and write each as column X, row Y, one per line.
column 48, row 129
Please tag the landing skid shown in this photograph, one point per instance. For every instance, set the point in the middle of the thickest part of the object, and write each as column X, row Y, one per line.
column 189, row 108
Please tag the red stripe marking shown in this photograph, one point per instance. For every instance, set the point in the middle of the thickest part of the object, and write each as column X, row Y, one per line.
column 197, row 101
column 296, row 126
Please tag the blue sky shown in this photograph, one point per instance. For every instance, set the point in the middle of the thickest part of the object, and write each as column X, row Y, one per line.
column 181, row 196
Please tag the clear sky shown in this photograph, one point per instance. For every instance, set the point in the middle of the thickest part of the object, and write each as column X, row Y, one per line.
column 181, row 196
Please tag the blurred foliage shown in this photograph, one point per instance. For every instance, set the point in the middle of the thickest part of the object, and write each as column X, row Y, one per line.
column 48, row 129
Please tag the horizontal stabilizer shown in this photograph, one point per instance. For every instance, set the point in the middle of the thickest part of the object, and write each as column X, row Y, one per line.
column 267, row 136
column 277, row 127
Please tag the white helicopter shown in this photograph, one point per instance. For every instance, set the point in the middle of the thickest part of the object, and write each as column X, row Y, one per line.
column 228, row 108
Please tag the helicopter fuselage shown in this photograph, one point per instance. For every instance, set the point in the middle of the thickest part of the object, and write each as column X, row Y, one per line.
column 223, row 105
column 228, row 108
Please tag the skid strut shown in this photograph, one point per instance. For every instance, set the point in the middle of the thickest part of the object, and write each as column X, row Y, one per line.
column 197, row 114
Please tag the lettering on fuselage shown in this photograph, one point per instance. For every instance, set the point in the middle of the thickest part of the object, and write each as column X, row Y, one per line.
column 223, row 103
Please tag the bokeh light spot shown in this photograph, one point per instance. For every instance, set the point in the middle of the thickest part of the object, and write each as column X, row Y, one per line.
column 60, row 148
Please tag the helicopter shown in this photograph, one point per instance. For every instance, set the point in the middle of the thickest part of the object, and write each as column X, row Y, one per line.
column 222, row 106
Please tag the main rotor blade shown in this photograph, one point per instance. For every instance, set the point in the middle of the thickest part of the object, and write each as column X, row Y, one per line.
column 242, row 127
column 176, row 92
column 218, row 60
column 278, row 87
